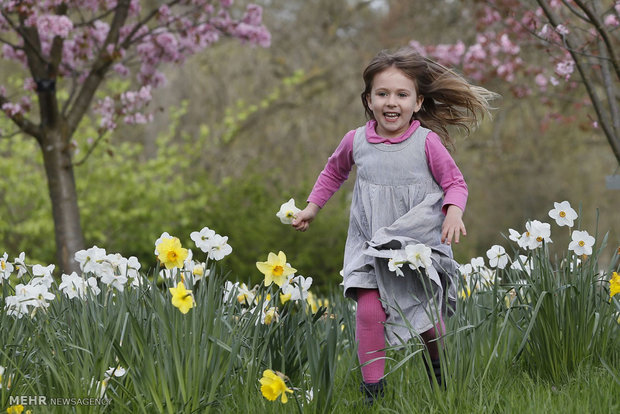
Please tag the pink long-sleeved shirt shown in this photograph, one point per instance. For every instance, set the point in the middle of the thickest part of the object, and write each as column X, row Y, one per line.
column 441, row 164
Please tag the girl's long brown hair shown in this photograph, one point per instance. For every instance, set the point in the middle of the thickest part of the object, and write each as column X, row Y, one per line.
column 449, row 99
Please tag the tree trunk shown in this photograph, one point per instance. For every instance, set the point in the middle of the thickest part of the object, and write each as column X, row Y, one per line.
column 63, row 194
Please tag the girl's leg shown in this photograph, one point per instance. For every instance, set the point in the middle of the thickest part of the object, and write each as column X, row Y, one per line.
column 430, row 339
column 369, row 334
column 434, row 346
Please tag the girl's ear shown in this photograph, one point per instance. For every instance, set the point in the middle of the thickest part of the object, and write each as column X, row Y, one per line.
column 419, row 103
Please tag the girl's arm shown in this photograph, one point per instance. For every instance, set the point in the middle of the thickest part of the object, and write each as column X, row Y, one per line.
column 336, row 171
column 447, row 174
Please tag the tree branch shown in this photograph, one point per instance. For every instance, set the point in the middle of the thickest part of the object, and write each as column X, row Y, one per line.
column 598, row 25
column 590, row 87
column 99, row 68
column 32, row 45
column 90, row 150
column 23, row 123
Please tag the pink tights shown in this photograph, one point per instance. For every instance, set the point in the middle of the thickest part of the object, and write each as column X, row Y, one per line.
column 369, row 334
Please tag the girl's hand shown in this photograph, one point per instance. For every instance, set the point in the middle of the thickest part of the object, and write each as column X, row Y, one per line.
column 453, row 225
column 303, row 219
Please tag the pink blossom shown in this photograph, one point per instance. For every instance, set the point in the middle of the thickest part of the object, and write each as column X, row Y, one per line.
column 561, row 29
column 107, row 109
column 253, row 15
column 53, row 25
column 542, row 81
column 14, row 54
column 13, row 109
column 612, row 20
column 99, row 31
column 121, row 69
column 164, row 15
column 257, row 35
column 565, row 68
column 29, row 85
column 508, row 46
column 418, row 47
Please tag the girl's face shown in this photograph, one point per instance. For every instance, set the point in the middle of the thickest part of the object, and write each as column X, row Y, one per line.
column 393, row 100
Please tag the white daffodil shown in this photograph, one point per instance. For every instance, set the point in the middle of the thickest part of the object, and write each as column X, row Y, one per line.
column 563, row 214
column 466, row 270
column 42, row 275
column 219, row 247
column 581, row 243
column 296, row 289
column 395, row 264
column 115, row 372
column 36, row 296
column 418, row 255
column 131, row 269
column 536, row 233
column 20, row 265
column 111, row 277
column 229, row 289
column 523, row 264
column 203, row 238
column 514, row 235
column 245, row 295
column 6, row 268
column 497, row 256
column 72, row 286
column 477, row 263
column 197, row 270
column 90, row 259
column 303, row 284
column 287, row 212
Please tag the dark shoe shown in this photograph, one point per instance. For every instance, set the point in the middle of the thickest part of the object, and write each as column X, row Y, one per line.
column 372, row 391
column 434, row 371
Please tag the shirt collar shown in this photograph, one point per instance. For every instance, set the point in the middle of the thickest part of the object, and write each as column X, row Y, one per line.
column 374, row 138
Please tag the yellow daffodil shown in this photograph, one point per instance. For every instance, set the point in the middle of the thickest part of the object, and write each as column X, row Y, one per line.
column 312, row 302
column 285, row 297
column 171, row 254
column 614, row 284
column 465, row 292
column 270, row 315
column 182, row 298
column 273, row 385
column 275, row 269
column 15, row 409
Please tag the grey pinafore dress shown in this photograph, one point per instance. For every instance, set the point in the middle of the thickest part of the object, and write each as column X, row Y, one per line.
column 397, row 202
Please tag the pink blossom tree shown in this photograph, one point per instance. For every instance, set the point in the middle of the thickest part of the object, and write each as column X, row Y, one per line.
column 579, row 39
column 69, row 49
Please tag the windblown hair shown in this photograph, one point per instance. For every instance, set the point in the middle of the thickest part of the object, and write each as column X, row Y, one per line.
column 449, row 99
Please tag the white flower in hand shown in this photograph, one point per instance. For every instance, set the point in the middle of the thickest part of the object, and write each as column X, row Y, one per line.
column 287, row 212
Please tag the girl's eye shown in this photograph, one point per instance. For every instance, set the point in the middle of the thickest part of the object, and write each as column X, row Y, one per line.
column 402, row 95
column 381, row 93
